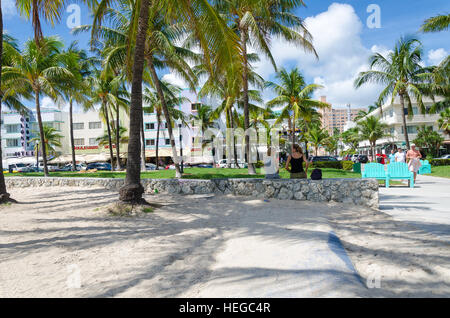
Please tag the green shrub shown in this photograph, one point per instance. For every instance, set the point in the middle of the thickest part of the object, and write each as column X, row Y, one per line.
column 439, row 162
column 347, row 165
column 259, row 164
column 327, row 164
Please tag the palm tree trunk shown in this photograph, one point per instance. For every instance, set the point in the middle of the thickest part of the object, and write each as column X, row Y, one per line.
column 4, row 195
column 133, row 189
column 229, row 138
column 108, row 127
column 41, row 132
column 166, row 114
column 119, row 165
column 143, row 168
column 244, row 39
column 405, row 128
column 157, row 140
column 72, row 140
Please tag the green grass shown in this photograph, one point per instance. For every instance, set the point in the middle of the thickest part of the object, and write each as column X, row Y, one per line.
column 440, row 171
column 189, row 173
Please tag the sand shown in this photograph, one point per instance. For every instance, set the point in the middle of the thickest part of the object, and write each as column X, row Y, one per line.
column 59, row 242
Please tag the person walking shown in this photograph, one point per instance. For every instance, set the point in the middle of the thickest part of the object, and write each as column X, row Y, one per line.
column 400, row 156
column 392, row 156
column 271, row 164
column 294, row 163
column 413, row 156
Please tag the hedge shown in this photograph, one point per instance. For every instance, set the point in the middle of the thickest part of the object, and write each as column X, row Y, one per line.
column 347, row 165
column 439, row 162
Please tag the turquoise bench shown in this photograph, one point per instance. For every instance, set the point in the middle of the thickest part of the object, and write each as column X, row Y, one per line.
column 395, row 171
column 400, row 171
column 425, row 168
column 375, row 171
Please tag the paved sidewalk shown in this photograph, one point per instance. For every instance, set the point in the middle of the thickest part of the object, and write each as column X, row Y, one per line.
column 427, row 206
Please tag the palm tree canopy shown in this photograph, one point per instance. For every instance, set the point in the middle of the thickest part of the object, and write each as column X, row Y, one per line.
column 52, row 139
column 436, row 24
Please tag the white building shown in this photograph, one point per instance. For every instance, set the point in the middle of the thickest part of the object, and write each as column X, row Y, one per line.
column 392, row 116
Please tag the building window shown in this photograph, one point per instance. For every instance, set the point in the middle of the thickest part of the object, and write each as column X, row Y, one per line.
column 149, row 126
column 195, row 107
column 150, row 142
column 166, row 126
column 78, row 126
column 12, row 129
column 95, row 125
column 167, row 141
column 12, row 142
column 93, row 142
column 410, row 130
column 78, row 141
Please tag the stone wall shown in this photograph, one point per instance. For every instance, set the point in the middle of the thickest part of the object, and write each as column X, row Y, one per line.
column 354, row 191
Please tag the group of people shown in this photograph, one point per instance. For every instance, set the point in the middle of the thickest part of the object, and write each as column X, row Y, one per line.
column 294, row 163
column 411, row 157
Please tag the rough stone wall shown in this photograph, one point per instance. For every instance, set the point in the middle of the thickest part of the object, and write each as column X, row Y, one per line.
column 362, row 192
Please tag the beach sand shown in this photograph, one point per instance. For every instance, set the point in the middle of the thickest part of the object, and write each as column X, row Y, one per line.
column 60, row 242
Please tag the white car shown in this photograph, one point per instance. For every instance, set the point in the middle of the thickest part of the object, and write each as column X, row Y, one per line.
column 224, row 164
column 444, row 157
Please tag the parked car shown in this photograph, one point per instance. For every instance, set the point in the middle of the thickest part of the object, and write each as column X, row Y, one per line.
column 69, row 167
column 444, row 157
column 100, row 166
column 224, row 164
column 323, row 158
column 206, row 166
column 362, row 159
column 152, row 166
column 26, row 169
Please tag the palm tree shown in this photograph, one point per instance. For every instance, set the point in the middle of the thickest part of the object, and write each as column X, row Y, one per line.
column 77, row 90
column 256, row 22
column 294, row 95
column 436, row 24
column 106, row 91
column 372, row 129
column 50, row 9
column 205, row 117
column 123, row 138
column 351, row 138
column 444, row 121
column 52, row 140
column 40, row 70
column 401, row 73
column 151, row 99
column 318, row 137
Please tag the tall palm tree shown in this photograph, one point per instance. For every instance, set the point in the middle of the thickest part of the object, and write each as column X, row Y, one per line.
column 77, row 90
column 351, row 138
column 41, row 70
column 402, row 74
column 436, row 24
column 52, row 140
column 318, row 137
column 106, row 91
column 256, row 22
column 372, row 129
column 217, row 42
column 294, row 95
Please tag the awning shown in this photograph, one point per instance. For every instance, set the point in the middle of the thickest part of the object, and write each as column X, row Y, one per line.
column 164, row 152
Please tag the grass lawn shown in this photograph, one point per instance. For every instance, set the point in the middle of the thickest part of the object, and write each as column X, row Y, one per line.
column 190, row 173
column 440, row 171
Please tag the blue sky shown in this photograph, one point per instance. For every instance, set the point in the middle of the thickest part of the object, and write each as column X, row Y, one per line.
column 341, row 36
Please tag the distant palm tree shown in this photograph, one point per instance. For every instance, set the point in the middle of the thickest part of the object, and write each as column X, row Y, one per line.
column 402, row 74
column 318, row 137
column 52, row 140
column 41, row 70
column 351, row 138
column 294, row 95
column 372, row 129
column 436, row 24
column 123, row 138
column 444, row 121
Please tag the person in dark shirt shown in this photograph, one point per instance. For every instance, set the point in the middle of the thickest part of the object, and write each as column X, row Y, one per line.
column 294, row 163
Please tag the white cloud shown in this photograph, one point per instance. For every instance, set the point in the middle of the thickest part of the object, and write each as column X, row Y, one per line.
column 9, row 8
column 337, row 39
column 435, row 57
